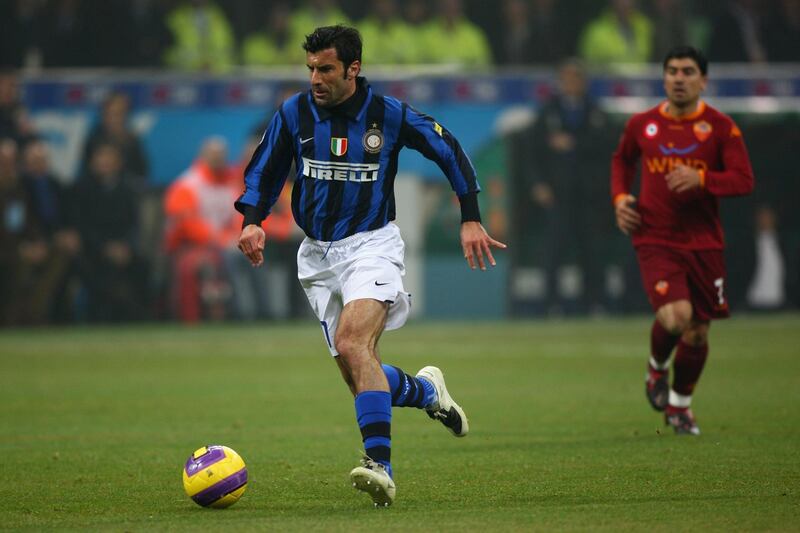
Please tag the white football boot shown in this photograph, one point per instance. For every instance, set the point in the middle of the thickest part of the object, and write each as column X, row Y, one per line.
column 444, row 409
column 372, row 478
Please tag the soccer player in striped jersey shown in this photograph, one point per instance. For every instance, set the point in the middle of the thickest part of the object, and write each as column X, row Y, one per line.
column 344, row 140
column 691, row 156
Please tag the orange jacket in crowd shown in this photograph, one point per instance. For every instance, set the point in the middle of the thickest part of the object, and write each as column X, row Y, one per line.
column 199, row 209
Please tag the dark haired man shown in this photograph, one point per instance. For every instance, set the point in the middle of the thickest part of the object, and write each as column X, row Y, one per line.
column 691, row 155
column 344, row 140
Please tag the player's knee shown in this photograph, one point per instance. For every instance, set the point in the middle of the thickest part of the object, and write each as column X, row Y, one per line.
column 349, row 348
column 675, row 324
column 676, row 317
column 696, row 334
column 344, row 346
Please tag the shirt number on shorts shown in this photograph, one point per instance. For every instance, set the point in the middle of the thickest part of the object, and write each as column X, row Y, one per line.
column 719, row 283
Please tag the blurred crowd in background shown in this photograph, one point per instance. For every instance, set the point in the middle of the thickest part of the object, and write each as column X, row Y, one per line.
column 108, row 246
column 204, row 35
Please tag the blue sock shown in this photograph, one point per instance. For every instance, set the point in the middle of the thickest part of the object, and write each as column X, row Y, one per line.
column 408, row 391
column 374, row 416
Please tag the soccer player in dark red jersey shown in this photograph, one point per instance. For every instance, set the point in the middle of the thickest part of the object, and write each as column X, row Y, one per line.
column 691, row 155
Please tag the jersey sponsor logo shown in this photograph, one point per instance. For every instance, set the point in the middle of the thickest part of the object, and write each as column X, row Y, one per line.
column 662, row 165
column 335, row 171
column 662, row 287
column 651, row 130
column 437, row 128
column 372, row 141
column 672, row 149
column 338, row 145
column 702, row 130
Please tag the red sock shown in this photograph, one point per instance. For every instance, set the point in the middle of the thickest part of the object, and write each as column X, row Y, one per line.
column 671, row 409
column 661, row 342
column 689, row 362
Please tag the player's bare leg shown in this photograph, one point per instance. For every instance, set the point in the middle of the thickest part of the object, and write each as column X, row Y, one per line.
column 360, row 326
column 675, row 316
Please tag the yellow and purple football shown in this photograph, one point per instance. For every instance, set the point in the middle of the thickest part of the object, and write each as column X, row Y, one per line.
column 215, row 476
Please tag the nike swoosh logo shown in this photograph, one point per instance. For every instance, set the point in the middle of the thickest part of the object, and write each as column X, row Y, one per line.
column 381, row 284
column 303, row 141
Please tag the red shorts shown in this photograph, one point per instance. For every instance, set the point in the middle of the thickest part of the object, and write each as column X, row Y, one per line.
column 671, row 274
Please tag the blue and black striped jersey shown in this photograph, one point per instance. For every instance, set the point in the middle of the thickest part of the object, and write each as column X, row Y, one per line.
column 346, row 162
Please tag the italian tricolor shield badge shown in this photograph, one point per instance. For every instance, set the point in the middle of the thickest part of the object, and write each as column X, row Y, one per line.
column 338, row 145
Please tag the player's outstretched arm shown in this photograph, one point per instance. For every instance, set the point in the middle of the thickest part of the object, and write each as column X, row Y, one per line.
column 251, row 243
column 476, row 242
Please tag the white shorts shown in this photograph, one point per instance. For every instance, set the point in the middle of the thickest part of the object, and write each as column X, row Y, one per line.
column 365, row 265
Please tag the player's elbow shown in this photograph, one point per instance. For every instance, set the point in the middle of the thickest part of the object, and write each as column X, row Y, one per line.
column 746, row 184
column 749, row 183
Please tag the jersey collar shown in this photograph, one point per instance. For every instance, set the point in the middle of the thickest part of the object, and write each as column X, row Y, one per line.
column 701, row 107
column 352, row 108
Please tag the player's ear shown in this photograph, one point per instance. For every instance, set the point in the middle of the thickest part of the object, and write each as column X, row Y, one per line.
column 353, row 70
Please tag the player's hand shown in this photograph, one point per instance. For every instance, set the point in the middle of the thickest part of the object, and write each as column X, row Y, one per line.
column 682, row 179
column 475, row 242
column 251, row 243
column 628, row 218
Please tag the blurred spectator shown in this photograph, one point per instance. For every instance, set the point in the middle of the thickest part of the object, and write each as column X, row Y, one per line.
column 621, row 34
column 531, row 33
column 568, row 148
column 14, row 121
column 106, row 215
column 417, row 16
column 738, row 34
column 273, row 44
column 22, row 33
column 416, row 12
column 387, row 38
column 200, row 226
column 68, row 39
column 782, row 32
column 767, row 290
column 144, row 32
column 49, row 204
column 202, row 37
column 514, row 43
column 313, row 14
column 550, row 42
column 45, row 193
column 113, row 128
column 30, row 271
column 671, row 27
column 451, row 38
column 13, row 203
column 678, row 21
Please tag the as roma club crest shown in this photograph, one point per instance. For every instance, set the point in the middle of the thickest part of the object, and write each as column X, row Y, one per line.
column 662, row 287
column 702, row 130
column 338, row 145
column 372, row 141
column 651, row 130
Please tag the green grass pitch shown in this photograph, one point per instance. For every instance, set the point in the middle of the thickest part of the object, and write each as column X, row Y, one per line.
column 96, row 424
